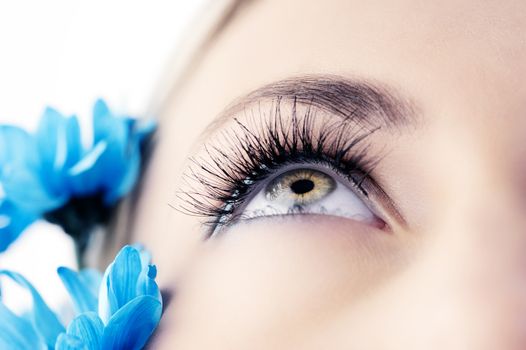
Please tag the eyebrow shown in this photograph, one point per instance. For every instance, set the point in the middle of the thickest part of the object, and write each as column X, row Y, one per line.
column 362, row 101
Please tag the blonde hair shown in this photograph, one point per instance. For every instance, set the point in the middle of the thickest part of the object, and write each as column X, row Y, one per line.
column 202, row 31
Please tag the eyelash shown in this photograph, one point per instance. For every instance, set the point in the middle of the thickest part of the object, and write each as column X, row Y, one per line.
column 217, row 186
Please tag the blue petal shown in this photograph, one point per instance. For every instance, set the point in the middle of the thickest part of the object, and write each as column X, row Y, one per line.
column 12, row 222
column 119, row 284
column 108, row 126
column 89, row 328
column 83, row 298
column 122, row 156
column 59, row 144
column 16, row 333
column 91, row 278
column 129, row 173
column 44, row 320
column 69, row 342
column 108, row 156
column 101, row 113
column 17, row 147
column 73, row 140
column 143, row 129
column 131, row 157
column 86, row 175
column 147, row 285
column 116, row 151
column 115, row 158
column 132, row 325
column 20, row 170
column 35, row 200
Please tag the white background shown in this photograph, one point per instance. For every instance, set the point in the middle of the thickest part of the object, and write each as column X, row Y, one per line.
column 65, row 54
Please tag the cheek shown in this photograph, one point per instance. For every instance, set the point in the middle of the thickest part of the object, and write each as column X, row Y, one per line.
column 278, row 276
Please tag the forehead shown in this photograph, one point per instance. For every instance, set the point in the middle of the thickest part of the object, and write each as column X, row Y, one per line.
column 465, row 58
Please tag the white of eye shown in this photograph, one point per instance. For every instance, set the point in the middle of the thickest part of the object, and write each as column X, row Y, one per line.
column 339, row 201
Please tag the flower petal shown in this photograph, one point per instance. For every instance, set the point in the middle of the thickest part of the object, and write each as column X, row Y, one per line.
column 119, row 283
column 129, row 152
column 12, row 222
column 16, row 333
column 146, row 284
column 17, row 147
column 143, row 129
column 85, row 176
column 35, row 200
column 129, row 172
column 73, row 141
column 83, row 298
column 44, row 320
column 92, row 279
column 131, row 326
column 59, row 145
column 125, row 274
column 123, row 154
column 101, row 112
column 89, row 328
column 116, row 151
column 69, row 342
column 20, row 170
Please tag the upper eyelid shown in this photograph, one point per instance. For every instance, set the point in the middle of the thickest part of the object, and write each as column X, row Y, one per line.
column 364, row 102
column 366, row 106
column 221, row 173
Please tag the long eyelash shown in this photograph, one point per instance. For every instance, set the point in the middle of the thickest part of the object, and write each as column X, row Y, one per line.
column 217, row 185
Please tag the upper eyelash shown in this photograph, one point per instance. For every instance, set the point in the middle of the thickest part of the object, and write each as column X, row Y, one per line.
column 217, row 185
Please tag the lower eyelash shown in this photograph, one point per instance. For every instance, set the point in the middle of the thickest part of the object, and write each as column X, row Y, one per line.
column 218, row 184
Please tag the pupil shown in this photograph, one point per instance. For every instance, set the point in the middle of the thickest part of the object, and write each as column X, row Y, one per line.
column 302, row 186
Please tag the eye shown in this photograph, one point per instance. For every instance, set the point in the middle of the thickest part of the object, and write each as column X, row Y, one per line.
column 308, row 191
column 279, row 164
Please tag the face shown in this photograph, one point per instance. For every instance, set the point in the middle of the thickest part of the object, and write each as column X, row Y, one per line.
column 346, row 175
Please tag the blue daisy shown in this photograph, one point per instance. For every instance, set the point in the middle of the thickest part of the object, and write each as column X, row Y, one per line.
column 50, row 173
column 119, row 310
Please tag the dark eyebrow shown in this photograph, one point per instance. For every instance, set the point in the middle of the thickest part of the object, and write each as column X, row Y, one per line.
column 364, row 102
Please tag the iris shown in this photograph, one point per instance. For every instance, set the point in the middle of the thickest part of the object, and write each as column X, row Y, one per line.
column 118, row 310
column 51, row 174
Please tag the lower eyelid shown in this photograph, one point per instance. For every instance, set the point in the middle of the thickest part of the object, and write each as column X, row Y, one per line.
column 376, row 222
column 320, row 222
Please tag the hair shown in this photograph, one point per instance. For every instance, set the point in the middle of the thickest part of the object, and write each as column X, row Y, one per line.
column 187, row 57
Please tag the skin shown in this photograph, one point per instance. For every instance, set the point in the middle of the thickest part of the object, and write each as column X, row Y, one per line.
column 453, row 276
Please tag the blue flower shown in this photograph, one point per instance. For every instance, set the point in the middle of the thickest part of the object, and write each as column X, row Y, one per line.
column 41, row 173
column 12, row 222
column 117, row 311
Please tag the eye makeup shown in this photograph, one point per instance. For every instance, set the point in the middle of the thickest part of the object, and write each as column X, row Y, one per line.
column 265, row 138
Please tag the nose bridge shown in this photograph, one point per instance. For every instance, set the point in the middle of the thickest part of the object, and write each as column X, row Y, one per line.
column 476, row 251
column 477, row 196
column 476, row 269
column 483, row 217
column 483, row 204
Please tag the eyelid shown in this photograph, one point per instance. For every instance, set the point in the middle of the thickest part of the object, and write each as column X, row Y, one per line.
column 256, row 145
column 347, row 181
